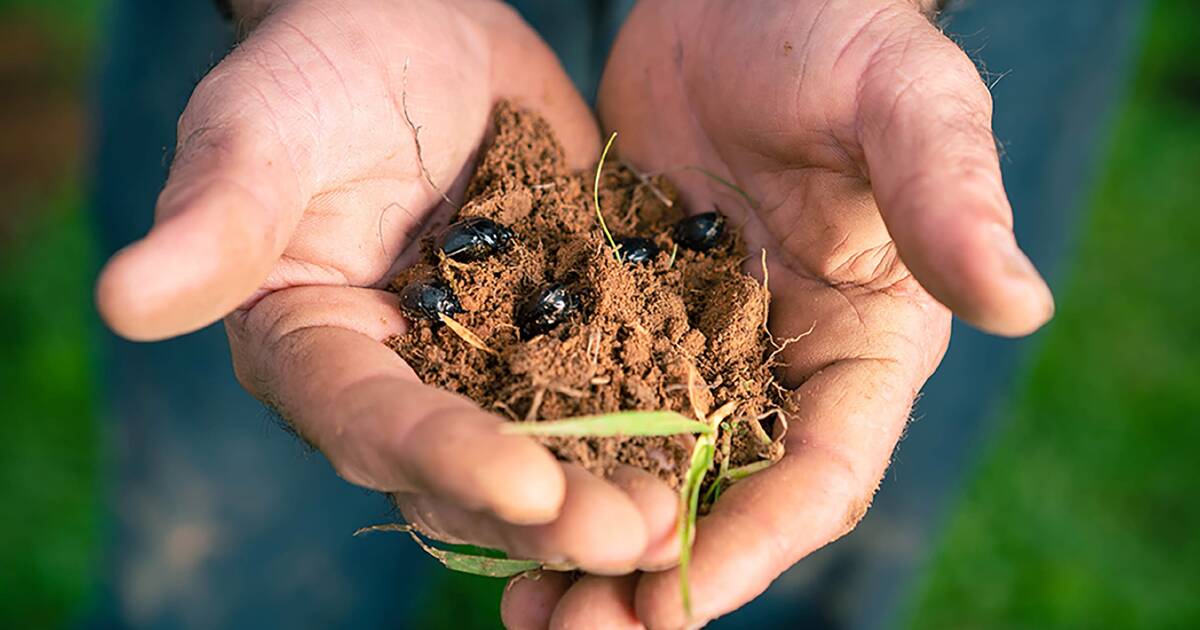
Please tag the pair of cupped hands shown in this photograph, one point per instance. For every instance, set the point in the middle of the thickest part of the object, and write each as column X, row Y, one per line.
column 861, row 132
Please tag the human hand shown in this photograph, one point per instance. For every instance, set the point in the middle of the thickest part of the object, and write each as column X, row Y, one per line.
column 864, row 137
column 295, row 188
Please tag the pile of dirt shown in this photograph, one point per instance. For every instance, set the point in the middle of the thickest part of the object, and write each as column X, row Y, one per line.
column 568, row 330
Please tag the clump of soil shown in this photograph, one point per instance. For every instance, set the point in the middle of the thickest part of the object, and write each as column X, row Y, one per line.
column 640, row 332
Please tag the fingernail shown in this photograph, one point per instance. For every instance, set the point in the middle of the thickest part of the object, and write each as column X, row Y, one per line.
column 1018, row 267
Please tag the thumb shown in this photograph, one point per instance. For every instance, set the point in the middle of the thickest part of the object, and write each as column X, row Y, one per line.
column 925, row 128
column 233, row 197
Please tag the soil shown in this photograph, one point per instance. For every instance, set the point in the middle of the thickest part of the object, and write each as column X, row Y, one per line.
column 641, row 328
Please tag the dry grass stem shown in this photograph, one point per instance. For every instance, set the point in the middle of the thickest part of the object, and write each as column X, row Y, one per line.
column 465, row 333
column 648, row 183
column 780, row 347
column 536, row 405
column 693, row 398
column 759, row 432
column 722, row 412
column 593, row 347
column 416, row 132
column 508, row 411
column 567, row 391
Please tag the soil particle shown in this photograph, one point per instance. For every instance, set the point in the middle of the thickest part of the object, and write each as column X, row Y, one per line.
column 635, row 330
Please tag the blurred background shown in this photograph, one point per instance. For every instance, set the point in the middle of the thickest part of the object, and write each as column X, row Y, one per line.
column 1080, row 509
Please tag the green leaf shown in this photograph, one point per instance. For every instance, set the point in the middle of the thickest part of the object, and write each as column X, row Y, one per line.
column 472, row 560
column 621, row 423
column 702, row 460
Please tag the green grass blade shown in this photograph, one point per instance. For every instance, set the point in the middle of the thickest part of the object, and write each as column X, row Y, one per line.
column 626, row 423
column 741, row 472
column 702, row 460
column 726, row 183
column 468, row 559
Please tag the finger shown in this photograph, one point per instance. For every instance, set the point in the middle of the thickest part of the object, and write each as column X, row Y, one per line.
column 549, row 92
column 659, row 507
column 316, row 354
column 924, row 121
column 599, row 603
column 235, row 192
column 836, row 454
column 530, row 598
column 598, row 528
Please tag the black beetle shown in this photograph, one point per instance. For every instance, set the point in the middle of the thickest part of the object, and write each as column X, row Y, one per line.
column 474, row 238
column 547, row 308
column 635, row 249
column 426, row 299
column 700, row 232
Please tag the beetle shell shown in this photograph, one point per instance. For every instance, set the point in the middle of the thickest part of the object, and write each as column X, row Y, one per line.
column 635, row 249
column 546, row 309
column 700, row 232
column 474, row 238
column 426, row 299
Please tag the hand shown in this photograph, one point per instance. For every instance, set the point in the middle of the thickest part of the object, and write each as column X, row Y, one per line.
column 296, row 185
column 864, row 137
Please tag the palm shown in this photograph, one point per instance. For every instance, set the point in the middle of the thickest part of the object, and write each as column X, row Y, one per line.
column 862, row 138
column 786, row 134
column 302, row 144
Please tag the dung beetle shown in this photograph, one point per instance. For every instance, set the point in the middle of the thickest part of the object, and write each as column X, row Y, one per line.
column 635, row 249
column 547, row 308
column 700, row 232
column 474, row 238
column 426, row 299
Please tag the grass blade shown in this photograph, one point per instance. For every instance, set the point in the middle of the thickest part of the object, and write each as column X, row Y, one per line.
column 702, row 460
column 625, row 423
column 477, row 561
column 726, row 183
column 596, row 196
column 465, row 334
column 741, row 472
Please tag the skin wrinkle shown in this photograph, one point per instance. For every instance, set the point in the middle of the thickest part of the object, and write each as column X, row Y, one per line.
column 825, row 277
column 907, row 84
column 692, row 117
column 913, row 186
column 812, row 27
column 284, row 22
column 237, row 128
column 858, row 32
column 314, row 110
column 274, row 325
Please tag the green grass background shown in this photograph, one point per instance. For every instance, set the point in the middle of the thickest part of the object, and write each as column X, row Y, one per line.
column 1083, row 513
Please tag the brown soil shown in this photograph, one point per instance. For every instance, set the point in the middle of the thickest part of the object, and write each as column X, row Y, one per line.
column 642, row 327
